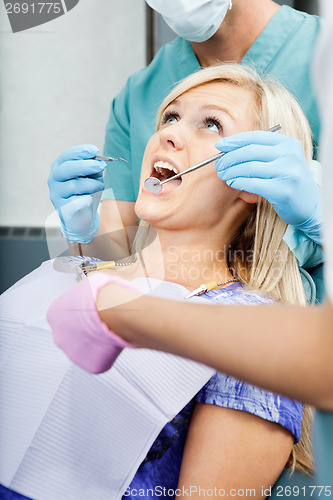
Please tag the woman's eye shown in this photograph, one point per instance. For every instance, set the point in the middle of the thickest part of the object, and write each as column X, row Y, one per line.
column 169, row 119
column 213, row 125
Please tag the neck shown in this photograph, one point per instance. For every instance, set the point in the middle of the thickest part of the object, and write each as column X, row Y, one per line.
column 184, row 259
column 239, row 30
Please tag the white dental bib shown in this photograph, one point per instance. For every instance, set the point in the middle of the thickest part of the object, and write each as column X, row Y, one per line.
column 66, row 433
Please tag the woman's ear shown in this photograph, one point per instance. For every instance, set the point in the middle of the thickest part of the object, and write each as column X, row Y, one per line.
column 248, row 197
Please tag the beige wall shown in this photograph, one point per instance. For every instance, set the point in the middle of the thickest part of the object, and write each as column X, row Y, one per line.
column 57, row 81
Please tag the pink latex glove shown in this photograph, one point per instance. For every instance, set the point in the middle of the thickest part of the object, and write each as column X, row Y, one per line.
column 77, row 328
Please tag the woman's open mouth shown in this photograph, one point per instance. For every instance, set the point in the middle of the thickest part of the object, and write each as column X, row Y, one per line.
column 162, row 171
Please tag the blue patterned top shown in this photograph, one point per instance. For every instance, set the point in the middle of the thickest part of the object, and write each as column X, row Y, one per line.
column 160, row 469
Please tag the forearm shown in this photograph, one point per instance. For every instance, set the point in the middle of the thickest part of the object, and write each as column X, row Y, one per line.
column 284, row 349
column 115, row 233
column 112, row 245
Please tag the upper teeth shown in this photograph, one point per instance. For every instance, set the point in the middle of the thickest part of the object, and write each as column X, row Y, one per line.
column 159, row 165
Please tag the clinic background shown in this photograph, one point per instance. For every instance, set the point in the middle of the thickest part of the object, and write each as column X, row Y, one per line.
column 57, row 82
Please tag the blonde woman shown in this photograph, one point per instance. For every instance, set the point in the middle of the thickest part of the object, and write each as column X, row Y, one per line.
column 238, row 435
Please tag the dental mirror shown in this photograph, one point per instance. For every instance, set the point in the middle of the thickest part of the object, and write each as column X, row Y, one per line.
column 153, row 185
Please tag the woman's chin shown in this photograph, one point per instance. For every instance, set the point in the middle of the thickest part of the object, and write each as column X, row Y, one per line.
column 156, row 220
column 148, row 212
column 151, row 219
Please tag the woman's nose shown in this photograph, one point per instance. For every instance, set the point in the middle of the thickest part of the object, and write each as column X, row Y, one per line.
column 172, row 136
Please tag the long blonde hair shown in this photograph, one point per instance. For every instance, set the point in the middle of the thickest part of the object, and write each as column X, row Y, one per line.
column 258, row 256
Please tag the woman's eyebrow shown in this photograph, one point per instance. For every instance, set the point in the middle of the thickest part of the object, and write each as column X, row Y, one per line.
column 218, row 108
column 175, row 101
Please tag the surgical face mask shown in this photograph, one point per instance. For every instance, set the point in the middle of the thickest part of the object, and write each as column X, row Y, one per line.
column 195, row 20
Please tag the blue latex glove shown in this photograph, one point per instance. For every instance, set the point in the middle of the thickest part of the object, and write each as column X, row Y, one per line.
column 274, row 167
column 76, row 185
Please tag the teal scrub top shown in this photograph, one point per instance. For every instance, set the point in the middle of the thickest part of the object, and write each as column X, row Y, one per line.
column 283, row 50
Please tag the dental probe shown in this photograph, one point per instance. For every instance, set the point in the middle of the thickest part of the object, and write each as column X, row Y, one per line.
column 109, row 158
column 154, row 185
